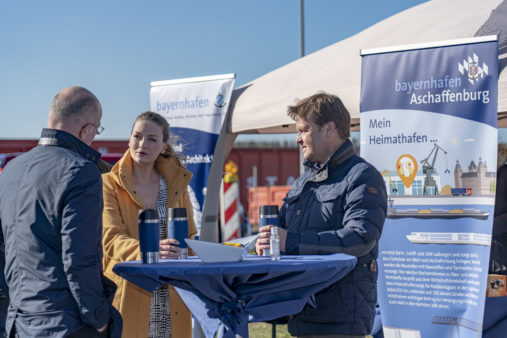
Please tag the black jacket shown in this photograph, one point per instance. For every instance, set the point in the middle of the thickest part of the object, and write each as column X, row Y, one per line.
column 500, row 219
column 339, row 207
column 51, row 218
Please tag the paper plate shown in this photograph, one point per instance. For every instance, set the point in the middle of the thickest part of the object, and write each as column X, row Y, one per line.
column 216, row 253
column 247, row 242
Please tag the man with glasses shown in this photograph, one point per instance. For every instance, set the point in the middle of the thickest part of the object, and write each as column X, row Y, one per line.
column 51, row 219
column 99, row 128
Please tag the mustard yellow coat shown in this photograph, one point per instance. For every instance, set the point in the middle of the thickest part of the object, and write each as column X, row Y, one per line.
column 121, row 242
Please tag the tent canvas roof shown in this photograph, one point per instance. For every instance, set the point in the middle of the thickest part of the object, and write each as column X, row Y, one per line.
column 260, row 106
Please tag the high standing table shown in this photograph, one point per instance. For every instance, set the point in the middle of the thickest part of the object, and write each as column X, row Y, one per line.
column 232, row 294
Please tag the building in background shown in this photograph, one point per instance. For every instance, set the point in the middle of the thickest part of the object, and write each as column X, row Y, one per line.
column 478, row 178
column 395, row 186
column 276, row 158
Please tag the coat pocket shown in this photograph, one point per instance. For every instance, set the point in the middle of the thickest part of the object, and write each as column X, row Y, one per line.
column 330, row 210
column 335, row 304
column 365, row 281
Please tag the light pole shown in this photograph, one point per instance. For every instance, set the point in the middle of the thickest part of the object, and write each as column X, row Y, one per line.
column 301, row 54
column 301, row 28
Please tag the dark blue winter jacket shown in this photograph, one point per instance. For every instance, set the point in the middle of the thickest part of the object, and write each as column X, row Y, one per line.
column 51, row 218
column 338, row 207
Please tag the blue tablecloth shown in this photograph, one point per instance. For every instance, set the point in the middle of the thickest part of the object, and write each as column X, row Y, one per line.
column 256, row 289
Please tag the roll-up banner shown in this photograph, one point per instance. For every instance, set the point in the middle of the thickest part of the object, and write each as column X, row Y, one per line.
column 196, row 110
column 429, row 125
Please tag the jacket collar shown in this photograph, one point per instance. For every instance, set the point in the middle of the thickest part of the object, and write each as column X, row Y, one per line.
column 320, row 171
column 60, row 138
column 176, row 176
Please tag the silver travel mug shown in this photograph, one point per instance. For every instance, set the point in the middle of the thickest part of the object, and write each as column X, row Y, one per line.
column 268, row 215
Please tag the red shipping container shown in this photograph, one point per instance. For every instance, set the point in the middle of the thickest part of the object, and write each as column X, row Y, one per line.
column 264, row 196
column 275, row 167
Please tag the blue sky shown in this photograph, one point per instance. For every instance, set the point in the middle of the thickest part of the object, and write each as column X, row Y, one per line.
column 116, row 48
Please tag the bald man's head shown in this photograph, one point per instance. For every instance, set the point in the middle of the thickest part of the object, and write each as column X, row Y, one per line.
column 73, row 104
column 72, row 109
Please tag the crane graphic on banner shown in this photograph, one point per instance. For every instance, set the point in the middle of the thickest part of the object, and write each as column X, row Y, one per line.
column 430, row 185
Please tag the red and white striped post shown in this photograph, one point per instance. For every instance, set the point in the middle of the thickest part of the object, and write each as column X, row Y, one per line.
column 229, row 197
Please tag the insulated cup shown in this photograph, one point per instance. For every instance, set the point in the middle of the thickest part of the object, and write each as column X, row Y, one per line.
column 149, row 235
column 268, row 215
column 177, row 228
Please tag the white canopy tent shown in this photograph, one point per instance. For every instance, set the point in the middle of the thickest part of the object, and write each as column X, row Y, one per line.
column 261, row 105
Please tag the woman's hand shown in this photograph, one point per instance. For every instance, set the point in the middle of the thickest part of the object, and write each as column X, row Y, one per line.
column 169, row 249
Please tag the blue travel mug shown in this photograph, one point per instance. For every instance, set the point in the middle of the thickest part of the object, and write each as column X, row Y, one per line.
column 268, row 215
column 177, row 228
column 149, row 235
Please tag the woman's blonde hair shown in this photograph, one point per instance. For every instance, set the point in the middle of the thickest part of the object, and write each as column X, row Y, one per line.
column 160, row 121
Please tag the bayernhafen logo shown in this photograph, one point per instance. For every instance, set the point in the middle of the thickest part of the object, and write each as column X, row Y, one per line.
column 220, row 101
column 471, row 70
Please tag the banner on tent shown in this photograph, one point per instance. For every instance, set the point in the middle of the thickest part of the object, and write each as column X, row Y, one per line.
column 428, row 124
column 195, row 109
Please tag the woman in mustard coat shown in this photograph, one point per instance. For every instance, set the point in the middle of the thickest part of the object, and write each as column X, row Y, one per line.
column 148, row 176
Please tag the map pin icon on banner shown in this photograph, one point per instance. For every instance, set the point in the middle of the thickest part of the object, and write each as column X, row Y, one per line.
column 406, row 166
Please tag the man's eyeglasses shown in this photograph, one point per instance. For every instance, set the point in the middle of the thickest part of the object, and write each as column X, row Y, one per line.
column 99, row 128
